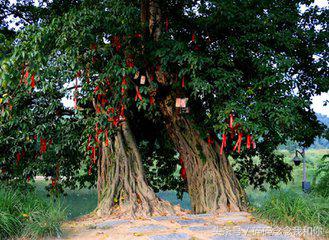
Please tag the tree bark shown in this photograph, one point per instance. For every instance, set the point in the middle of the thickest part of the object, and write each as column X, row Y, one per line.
column 212, row 184
column 122, row 188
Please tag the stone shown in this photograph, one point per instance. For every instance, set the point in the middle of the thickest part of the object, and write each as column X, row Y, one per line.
column 199, row 215
column 237, row 214
column 277, row 237
column 172, row 236
column 228, row 237
column 233, row 218
column 251, row 227
column 164, row 218
column 204, row 228
column 111, row 223
column 190, row 221
column 147, row 228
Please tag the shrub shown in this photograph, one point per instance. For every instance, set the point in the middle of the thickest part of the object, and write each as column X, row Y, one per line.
column 321, row 178
column 27, row 215
column 295, row 209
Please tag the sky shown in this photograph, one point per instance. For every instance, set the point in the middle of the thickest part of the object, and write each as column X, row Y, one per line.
column 317, row 101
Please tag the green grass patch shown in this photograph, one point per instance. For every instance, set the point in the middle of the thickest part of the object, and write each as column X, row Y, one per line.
column 28, row 215
column 291, row 208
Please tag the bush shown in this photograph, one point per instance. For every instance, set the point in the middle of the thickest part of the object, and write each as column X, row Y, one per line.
column 321, row 178
column 286, row 207
column 27, row 215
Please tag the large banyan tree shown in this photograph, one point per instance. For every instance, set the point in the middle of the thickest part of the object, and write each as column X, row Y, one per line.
column 210, row 79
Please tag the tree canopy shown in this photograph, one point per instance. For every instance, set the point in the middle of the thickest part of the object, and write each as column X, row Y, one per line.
column 257, row 63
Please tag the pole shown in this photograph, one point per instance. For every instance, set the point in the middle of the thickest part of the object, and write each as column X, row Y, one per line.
column 306, row 186
column 304, row 166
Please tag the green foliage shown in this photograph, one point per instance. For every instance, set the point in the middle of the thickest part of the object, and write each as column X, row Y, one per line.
column 321, row 178
column 287, row 207
column 254, row 59
column 26, row 214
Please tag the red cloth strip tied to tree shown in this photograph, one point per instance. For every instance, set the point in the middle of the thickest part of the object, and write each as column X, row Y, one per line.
column 43, row 145
column 18, row 158
column 88, row 143
column 138, row 94
column 231, row 121
column 26, row 75
column 106, row 138
column 238, row 143
column 167, row 24
column 123, row 84
column 32, row 81
column 253, row 143
column 93, row 154
column 183, row 82
column 223, row 144
column 183, row 169
column 210, row 140
column 248, row 141
column 193, row 37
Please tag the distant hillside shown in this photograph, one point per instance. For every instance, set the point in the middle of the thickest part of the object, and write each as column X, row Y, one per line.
column 319, row 143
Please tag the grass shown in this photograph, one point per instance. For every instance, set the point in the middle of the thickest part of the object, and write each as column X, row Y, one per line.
column 28, row 215
column 292, row 208
column 77, row 202
column 289, row 206
column 286, row 206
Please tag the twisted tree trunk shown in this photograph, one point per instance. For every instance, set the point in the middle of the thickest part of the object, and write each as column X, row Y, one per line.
column 212, row 184
column 122, row 188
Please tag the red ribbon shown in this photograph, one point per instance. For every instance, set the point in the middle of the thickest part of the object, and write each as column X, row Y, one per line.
column 167, row 24
column 32, row 81
column 43, row 145
column 253, row 143
column 88, row 143
column 248, row 141
column 18, row 158
column 75, row 103
column 93, row 156
column 138, row 35
column 231, row 121
column 124, row 83
column 210, row 140
column 238, row 143
column 138, row 95
column 26, row 75
column 98, row 109
column 53, row 182
column 106, row 138
column 117, row 44
column 122, row 111
column 97, row 132
column 183, row 82
column 193, row 37
column 152, row 100
column 183, row 169
column 223, row 144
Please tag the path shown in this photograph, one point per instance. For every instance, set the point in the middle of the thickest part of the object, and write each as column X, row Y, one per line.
column 228, row 226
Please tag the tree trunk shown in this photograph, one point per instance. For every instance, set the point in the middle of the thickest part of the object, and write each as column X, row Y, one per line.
column 212, row 184
column 122, row 188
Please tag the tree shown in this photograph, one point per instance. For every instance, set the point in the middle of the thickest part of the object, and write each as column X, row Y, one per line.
column 248, row 69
